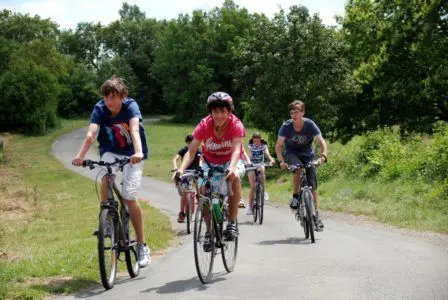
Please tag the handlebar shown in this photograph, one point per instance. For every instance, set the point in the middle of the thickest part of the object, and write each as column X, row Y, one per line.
column 253, row 167
column 119, row 162
column 296, row 167
column 199, row 172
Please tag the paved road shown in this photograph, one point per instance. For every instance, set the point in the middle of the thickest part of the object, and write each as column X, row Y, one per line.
column 275, row 262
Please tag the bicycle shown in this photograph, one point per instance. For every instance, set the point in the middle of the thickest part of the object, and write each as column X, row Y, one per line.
column 113, row 230
column 188, row 192
column 211, row 219
column 306, row 211
column 258, row 204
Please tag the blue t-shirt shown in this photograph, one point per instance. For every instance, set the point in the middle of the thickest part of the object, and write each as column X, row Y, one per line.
column 114, row 135
column 299, row 143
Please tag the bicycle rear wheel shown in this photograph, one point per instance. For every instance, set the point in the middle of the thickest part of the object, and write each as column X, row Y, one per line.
column 107, row 248
column 229, row 249
column 261, row 206
column 204, row 253
column 308, row 197
column 131, row 252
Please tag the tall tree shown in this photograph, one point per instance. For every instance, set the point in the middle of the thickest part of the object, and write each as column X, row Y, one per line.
column 294, row 56
column 182, row 64
column 134, row 39
column 398, row 55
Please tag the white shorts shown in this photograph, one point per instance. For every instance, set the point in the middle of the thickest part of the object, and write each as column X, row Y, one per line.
column 132, row 175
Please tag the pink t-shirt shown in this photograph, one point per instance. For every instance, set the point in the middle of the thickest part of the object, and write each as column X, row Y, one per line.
column 218, row 150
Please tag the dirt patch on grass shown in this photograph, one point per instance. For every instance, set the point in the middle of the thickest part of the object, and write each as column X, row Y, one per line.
column 17, row 201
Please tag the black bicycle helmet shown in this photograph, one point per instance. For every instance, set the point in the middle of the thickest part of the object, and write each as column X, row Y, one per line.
column 219, row 99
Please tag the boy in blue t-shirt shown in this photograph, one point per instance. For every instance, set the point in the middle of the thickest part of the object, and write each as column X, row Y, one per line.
column 118, row 122
column 298, row 134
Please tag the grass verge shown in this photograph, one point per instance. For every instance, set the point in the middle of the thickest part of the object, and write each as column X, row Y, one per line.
column 47, row 217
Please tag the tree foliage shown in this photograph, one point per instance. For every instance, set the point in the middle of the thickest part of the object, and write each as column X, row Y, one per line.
column 385, row 65
column 397, row 51
column 294, row 56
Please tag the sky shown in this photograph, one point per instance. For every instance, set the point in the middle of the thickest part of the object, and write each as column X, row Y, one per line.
column 68, row 13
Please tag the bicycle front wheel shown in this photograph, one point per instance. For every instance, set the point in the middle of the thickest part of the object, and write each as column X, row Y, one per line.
column 204, row 243
column 256, row 204
column 308, row 197
column 107, row 248
column 261, row 206
column 229, row 249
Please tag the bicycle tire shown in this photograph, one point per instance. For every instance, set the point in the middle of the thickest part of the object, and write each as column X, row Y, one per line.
column 107, row 248
column 261, row 206
column 188, row 210
column 229, row 249
column 255, row 205
column 308, row 197
column 203, row 260
column 131, row 252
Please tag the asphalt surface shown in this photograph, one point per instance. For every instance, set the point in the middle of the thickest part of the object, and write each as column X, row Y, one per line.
column 348, row 261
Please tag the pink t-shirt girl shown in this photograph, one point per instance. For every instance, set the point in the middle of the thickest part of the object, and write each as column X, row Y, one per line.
column 218, row 150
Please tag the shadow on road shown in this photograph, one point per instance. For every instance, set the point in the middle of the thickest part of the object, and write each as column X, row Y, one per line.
column 98, row 289
column 180, row 286
column 288, row 241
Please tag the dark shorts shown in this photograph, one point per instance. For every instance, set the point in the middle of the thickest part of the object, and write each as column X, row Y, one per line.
column 311, row 177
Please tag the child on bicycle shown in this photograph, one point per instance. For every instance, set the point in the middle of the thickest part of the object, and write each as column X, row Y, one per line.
column 194, row 165
column 221, row 134
column 257, row 151
column 298, row 134
column 118, row 122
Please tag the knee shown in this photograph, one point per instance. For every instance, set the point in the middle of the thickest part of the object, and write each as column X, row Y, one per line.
column 131, row 203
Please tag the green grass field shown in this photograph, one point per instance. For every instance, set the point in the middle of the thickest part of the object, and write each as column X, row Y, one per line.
column 402, row 203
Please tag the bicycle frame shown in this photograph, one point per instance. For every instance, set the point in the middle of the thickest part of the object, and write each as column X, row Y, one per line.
column 120, row 211
column 206, row 199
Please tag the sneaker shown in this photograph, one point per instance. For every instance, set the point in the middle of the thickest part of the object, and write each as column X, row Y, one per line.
column 181, row 217
column 294, row 203
column 242, row 204
column 318, row 222
column 208, row 244
column 249, row 211
column 266, row 196
column 231, row 231
column 143, row 254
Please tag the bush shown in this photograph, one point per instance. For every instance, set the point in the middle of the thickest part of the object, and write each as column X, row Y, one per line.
column 29, row 95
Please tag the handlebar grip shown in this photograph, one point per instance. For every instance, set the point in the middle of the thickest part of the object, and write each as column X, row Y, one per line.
column 87, row 163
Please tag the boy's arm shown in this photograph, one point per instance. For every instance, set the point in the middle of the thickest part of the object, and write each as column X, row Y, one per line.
column 278, row 151
column 88, row 141
column 189, row 156
column 236, row 156
column 175, row 159
column 247, row 156
column 136, row 140
column 323, row 148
